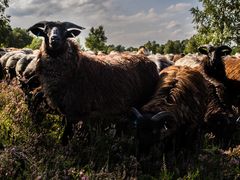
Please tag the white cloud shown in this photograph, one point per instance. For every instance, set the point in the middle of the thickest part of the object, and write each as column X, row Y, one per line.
column 172, row 24
column 179, row 7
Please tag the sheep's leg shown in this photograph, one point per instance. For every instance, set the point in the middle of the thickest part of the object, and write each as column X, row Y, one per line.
column 68, row 130
column 35, row 102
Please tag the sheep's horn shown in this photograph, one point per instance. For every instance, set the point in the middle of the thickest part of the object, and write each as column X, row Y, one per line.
column 40, row 24
column 161, row 115
column 205, row 49
column 137, row 113
column 226, row 49
column 238, row 121
column 70, row 25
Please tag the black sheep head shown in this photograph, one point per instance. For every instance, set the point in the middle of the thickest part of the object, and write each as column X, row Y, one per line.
column 215, row 53
column 153, row 127
column 55, row 33
column 214, row 66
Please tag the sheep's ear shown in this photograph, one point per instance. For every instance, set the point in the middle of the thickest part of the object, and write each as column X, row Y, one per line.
column 72, row 33
column 225, row 50
column 72, row 29
column 38, row 28
column 203, row 50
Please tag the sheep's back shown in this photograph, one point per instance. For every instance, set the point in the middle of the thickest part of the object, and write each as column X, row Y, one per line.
column 232, row 66
column 182, row 91
column 88, row 83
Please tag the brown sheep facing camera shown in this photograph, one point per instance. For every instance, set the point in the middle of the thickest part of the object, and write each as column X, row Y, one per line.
column 78, row 84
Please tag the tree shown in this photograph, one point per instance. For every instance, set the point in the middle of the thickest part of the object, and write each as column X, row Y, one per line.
column 197, row 40
column 131, row 49
column 35, row 44
column 120, row 48
column 19, row 38
column 160, row 49
column 152, row 46
column 5, row 27
column 96, row 39
column 219, row 19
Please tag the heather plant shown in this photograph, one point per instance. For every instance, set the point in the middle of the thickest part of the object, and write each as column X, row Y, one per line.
column 99, row 149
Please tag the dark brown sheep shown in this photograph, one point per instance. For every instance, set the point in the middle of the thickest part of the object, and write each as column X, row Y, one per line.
column 222, row 71
column 177, row 108
column 232, row 66
column 79, row 85
column 220, row 115
column 186, row 99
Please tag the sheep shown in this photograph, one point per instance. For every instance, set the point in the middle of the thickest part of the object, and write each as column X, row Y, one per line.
column 227, row 90
column 22, row 65
column 2, row 52
column 191, row 60
column 3, row 61
column 9, row 60
column 143, row 50
column 160, row 60
column 187, row 99
column 78, row 85
column 232, row 66
column 177, row 57
column 177, row 107
column 228, row 75
column 11, row 64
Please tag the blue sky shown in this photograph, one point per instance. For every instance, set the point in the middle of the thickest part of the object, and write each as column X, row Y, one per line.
column 126, row 22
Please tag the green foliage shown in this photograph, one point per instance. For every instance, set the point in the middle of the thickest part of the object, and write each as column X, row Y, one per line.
column 35, row 44
column 195, row 41
column 119, row 48
column 5, row 27
column 19, row 38
column 131, row 49
column 219, row 19
column 236, row 49
column 175, row 47
column 96, row 39
column 152, row 46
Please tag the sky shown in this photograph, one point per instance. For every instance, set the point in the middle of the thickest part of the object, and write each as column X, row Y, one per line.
column 126, row 22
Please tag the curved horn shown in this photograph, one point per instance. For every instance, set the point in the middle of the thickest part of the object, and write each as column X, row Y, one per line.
column 161, row 115
column 38, row 28
column 136, row 113
column 203, row 49
column 225, row 49
column 70, row 25
column 40, row 24
column 206, row 48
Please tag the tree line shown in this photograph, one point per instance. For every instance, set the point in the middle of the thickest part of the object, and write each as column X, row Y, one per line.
column 217, row 22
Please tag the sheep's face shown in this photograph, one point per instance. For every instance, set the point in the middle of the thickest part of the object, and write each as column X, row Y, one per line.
column 55, row 36
column 214, row 53
column 55, row 33
column 153, row 127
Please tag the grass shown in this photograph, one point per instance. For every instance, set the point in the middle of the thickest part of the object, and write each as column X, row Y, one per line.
column 99, row 150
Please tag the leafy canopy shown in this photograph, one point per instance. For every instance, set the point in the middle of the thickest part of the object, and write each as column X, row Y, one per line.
column 5, row 28
column 96, row 39
column 219, row 19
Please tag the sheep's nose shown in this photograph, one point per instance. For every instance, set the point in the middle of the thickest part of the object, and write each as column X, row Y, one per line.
column 54, row 38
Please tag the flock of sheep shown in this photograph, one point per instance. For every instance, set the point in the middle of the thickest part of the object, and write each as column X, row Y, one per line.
column 167, row 95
